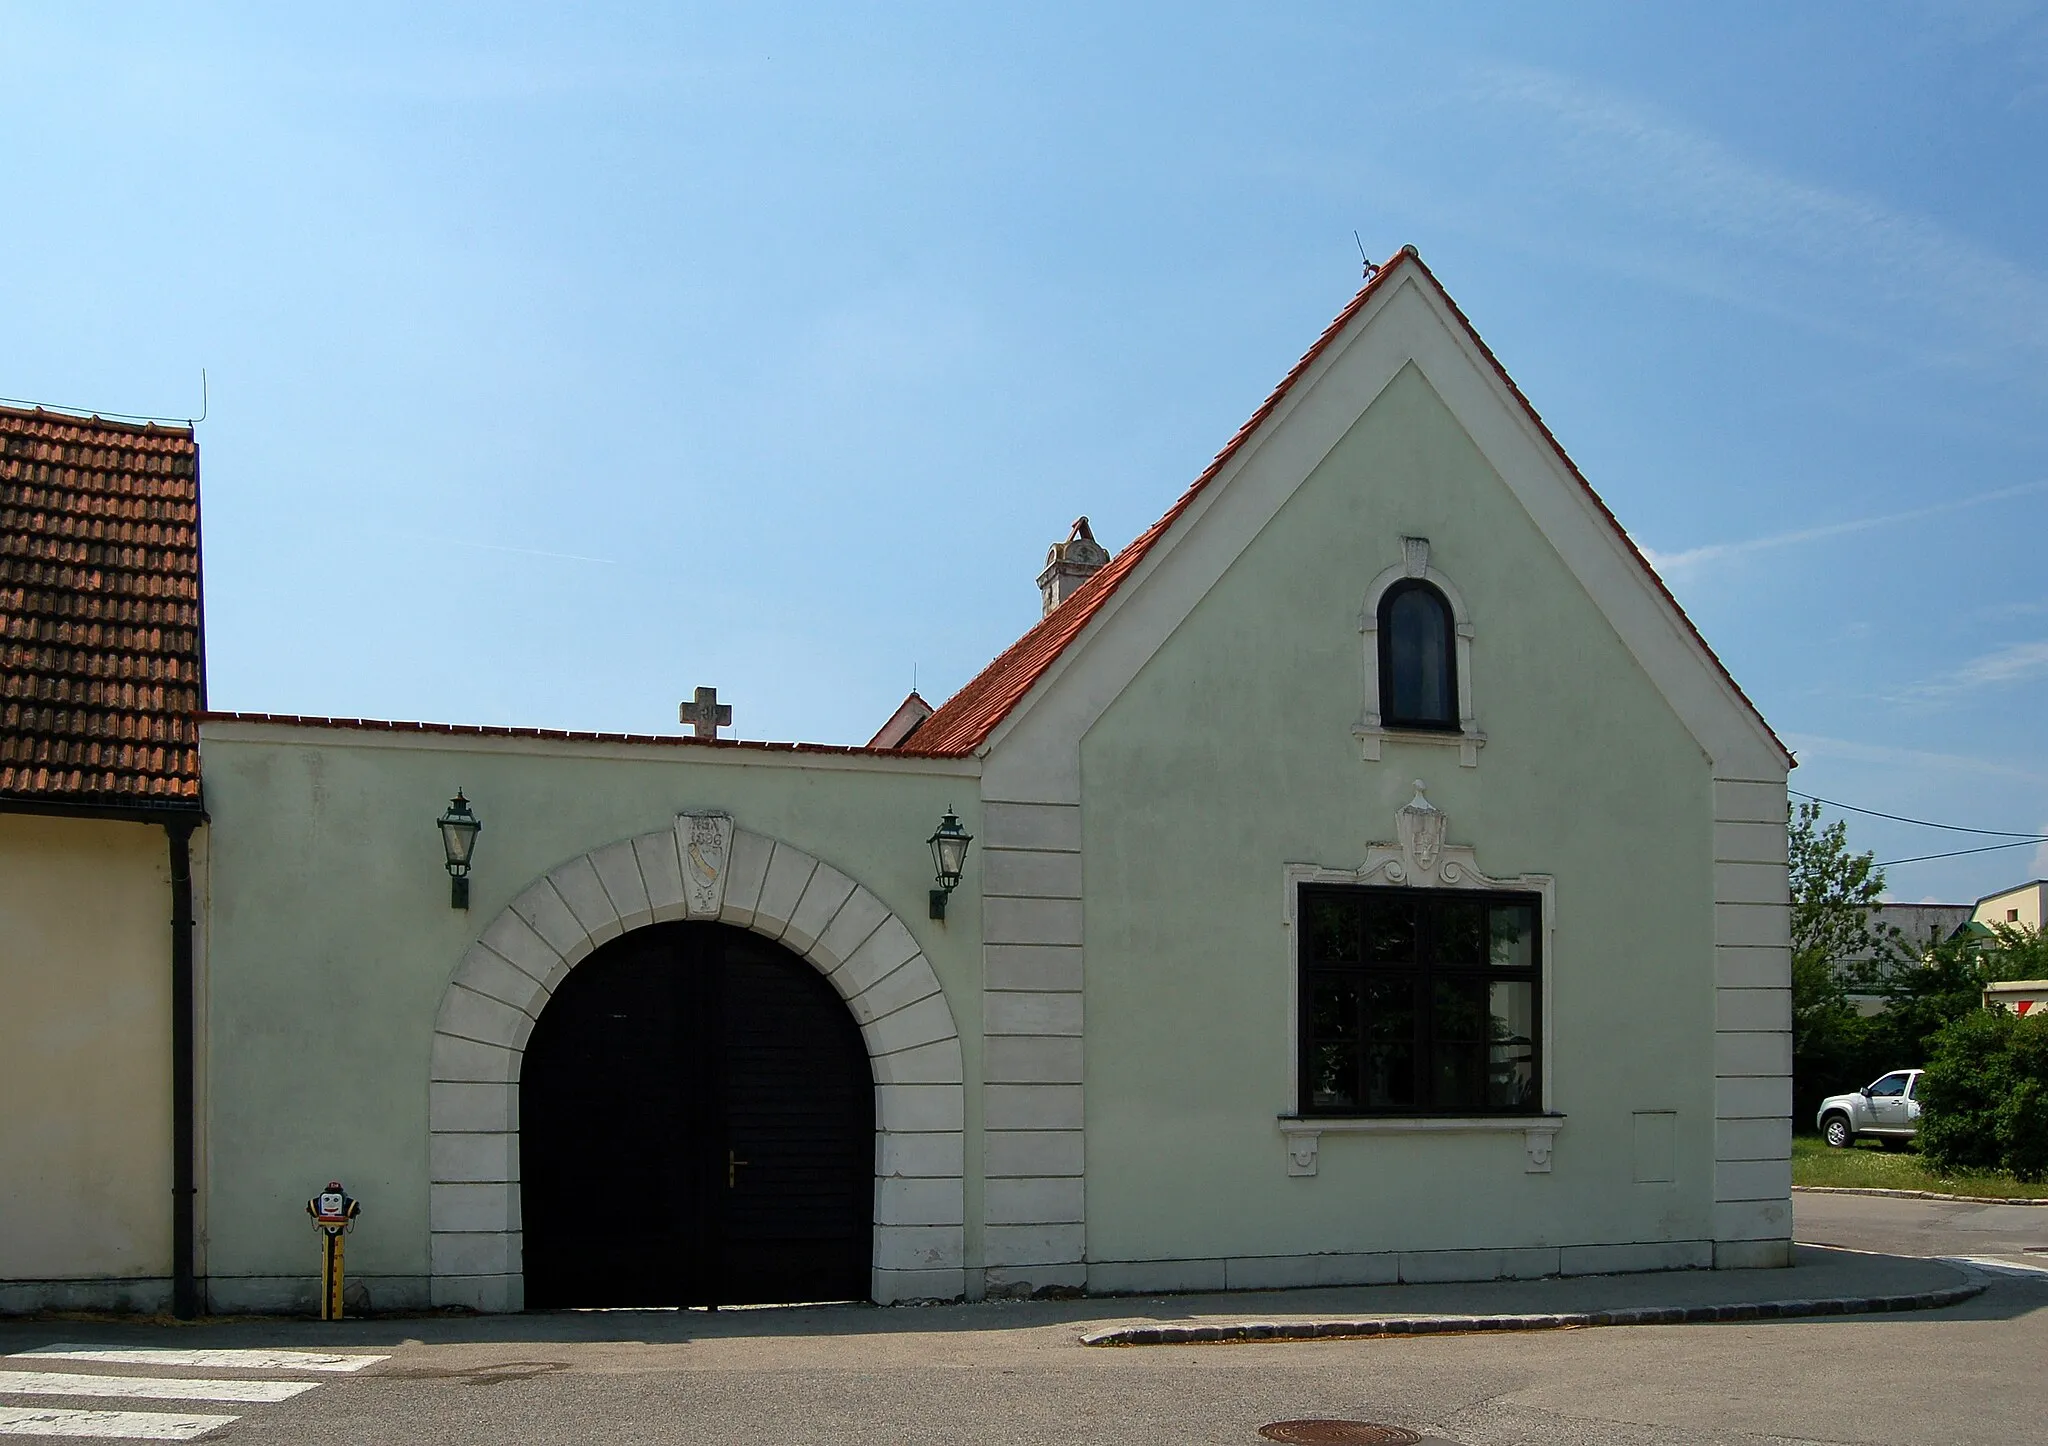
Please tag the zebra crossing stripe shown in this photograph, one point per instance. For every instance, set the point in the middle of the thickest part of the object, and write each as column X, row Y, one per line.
column 2002, row 1267
column 152, row 1388
column 246, row 1360
column 120, row 1425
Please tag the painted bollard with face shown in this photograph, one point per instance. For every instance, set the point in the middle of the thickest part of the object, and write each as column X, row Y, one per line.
column 334, row 1213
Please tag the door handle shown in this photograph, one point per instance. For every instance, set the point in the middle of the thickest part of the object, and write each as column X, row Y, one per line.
column 732, row 1168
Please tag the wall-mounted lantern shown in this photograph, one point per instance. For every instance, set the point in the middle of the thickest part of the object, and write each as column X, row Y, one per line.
column 459, row 828
column 949, row 858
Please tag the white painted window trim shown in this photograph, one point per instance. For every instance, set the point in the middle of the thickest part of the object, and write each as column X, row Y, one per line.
column 1447, row 866
column 1369, row 730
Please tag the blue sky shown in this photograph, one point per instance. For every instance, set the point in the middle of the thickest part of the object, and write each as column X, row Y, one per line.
column 563, row 360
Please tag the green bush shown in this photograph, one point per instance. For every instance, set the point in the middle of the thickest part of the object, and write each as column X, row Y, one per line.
column 2023, row 1127
column 1962, row 1090
column 1984, row 1098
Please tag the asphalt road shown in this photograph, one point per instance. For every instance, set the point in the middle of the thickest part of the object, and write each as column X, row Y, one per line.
column 1974, row 1373
column 2016, row 1233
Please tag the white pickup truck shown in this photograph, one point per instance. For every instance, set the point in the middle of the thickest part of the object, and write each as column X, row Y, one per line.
column 1887, row 1110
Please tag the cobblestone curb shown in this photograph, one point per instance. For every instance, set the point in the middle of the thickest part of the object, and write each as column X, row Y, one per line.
column 1916, row 1195
column 1317, row 1330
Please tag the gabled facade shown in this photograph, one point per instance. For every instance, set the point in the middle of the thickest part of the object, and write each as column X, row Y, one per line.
column 1374, row 877
column 1201, row 724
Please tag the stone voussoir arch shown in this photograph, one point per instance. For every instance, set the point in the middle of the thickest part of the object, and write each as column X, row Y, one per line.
column 704, row 868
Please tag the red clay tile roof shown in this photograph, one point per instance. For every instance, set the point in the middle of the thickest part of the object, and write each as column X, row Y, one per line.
column 965, row 721
column 101, row 654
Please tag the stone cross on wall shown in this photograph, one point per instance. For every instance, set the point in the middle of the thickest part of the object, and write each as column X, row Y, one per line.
column 707, row 715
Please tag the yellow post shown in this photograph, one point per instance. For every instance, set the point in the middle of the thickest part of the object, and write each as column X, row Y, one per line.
column 330, row 1277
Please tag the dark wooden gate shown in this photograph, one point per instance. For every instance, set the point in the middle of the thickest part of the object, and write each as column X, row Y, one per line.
column 696, row 1128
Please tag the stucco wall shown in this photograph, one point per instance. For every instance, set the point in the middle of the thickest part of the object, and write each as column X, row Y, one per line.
column 332, row 942
column 85, row 1058
column 1232, row 755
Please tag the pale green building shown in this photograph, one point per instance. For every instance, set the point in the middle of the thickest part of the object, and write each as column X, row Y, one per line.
column 1373, row 876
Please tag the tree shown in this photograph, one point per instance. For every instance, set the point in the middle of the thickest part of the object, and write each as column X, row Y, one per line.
column 1925, row 995
column 1842, row 946
column 2015, row 951
column 1835, row 893
column 1839, row 944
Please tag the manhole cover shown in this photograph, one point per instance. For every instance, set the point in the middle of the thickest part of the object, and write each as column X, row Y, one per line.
column 1339, row 1433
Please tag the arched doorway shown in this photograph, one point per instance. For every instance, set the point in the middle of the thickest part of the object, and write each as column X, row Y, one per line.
column 696, row 1127
column 771, row 888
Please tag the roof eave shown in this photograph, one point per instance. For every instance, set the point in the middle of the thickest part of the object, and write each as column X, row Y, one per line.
column 150, row 811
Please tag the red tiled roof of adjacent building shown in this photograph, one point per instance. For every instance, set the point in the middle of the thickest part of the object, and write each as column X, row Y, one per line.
column 965, row 721
column 102, row 673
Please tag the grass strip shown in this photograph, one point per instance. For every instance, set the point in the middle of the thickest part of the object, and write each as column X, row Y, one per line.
column 1867, row 1166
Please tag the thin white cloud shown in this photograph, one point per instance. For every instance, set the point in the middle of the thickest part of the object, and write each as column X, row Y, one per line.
column 2014, row 663
column 2016, row 610
column 2017, row 29
column 498, row 547
column 1670, row 563
column 463, row 79
column 1829, row 254
column 1815, row 745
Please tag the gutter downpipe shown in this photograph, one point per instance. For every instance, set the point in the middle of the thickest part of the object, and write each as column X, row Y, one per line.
column 184, row 1278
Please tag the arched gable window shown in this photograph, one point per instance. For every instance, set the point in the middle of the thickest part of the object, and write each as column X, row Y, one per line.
column 1418, row 660
column 1418, row 657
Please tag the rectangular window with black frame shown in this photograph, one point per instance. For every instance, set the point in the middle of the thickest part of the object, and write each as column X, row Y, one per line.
column 1420, row 1002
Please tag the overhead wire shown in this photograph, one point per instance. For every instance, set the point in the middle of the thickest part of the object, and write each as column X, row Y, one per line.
column 2015, row 840
column 205, row 406
column 1921, row 822
column 1958, row 853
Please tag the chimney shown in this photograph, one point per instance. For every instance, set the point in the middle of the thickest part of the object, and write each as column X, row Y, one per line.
column 1069, row 564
